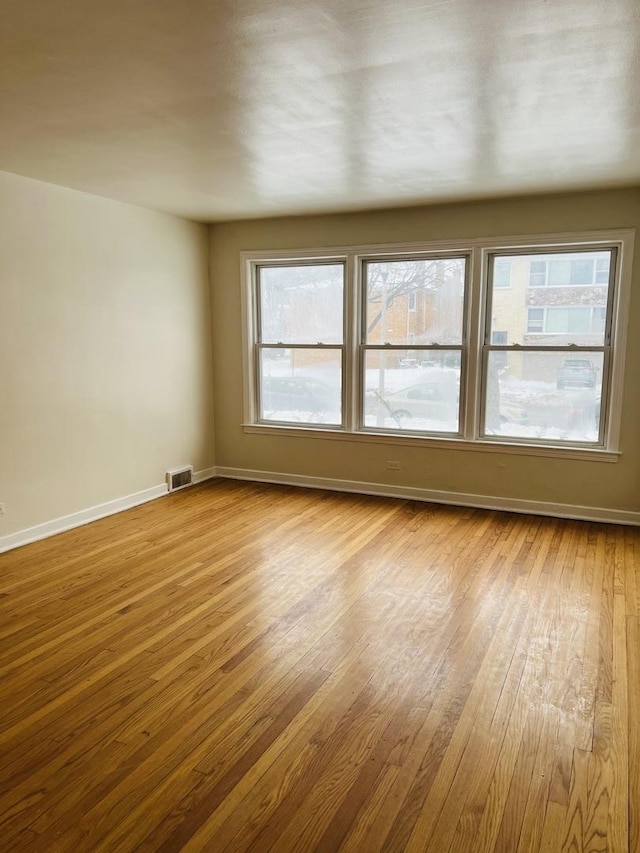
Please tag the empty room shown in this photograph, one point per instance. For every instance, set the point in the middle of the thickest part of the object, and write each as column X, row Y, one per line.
column 319, row 426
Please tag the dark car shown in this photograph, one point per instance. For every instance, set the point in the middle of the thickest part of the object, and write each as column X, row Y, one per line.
column 300, row 394
column 576, row 373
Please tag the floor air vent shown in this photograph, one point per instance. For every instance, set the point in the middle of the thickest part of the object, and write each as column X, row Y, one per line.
column 179, row 478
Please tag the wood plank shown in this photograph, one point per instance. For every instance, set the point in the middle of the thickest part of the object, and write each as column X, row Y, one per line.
column 245, row 667
column 480, row 815
column 555, row 819
column 632, row 709
column 618, row 819
column 577, row 813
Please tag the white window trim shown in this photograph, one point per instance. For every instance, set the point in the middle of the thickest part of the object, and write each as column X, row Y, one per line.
column 479, row 251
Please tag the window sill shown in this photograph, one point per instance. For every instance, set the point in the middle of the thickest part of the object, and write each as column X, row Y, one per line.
column 596, row 454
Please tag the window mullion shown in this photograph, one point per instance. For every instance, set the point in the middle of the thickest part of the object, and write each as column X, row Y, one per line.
column 472, row 380
column 350, row 368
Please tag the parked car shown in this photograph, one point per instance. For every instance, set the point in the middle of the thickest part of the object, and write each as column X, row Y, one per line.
column 513, row 413
column 434, row 401
column 576, row 373
column 438, row 402
column 298, row 394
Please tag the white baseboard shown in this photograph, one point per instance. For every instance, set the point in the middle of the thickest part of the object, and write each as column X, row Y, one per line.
column 557, row 510
column 76, row 519
column 84, row 516
column 205, row 474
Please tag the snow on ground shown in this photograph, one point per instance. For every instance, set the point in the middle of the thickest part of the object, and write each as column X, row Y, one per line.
column 569, row 414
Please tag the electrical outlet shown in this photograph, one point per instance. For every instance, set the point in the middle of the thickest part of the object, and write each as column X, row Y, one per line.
column 393, row 466
column 2, row 509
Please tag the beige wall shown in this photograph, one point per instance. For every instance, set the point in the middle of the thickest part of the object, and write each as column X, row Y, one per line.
column 105, row 350
column 595, row 484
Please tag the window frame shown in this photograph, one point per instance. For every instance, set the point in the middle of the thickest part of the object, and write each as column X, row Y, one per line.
column 606, row 348
column 363, row 346
column 479, row 252
column 260, row 344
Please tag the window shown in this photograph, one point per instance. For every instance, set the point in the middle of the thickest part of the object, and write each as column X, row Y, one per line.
column 336, row 346
column 561, row 320
column 300, row 343
column 502, row 273
column 568, row 270
column 537, row 273
column 425, row 398
column 535, row 320
column 558, row 361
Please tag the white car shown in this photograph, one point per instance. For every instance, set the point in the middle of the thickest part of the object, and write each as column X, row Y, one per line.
column 439, row 402
column 433, row 401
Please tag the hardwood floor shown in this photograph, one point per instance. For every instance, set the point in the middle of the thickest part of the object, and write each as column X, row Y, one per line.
column 250, row 667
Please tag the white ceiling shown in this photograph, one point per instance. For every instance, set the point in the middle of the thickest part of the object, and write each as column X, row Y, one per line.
column 220, row 109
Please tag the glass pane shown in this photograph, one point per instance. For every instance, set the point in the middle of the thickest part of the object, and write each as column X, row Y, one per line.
column 301, row 386
column 598, row 319
column 602, row 272
column 537, row 273
column 301, row 304
column 579, row 319
column 502, row 274
column 557, row 320
column 412, row 391
column 582, row 271
column 535, row 319
column 567, row 310
column 415, row 301
column 559, row 272
column 548, row 396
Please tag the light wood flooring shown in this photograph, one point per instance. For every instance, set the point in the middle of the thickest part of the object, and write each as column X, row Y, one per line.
column 250, row 667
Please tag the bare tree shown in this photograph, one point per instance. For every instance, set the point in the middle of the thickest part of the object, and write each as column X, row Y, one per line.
column 387, row 282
